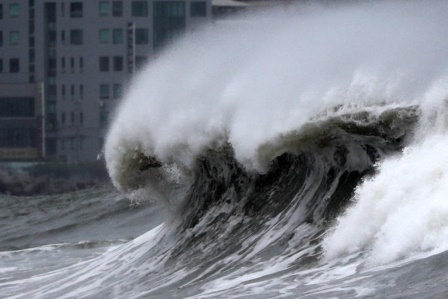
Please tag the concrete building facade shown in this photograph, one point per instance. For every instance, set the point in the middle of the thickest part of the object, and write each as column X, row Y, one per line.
column 21, row 122
column 77, row 57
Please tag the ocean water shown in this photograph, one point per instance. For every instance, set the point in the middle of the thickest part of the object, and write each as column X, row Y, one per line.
column 299, row 152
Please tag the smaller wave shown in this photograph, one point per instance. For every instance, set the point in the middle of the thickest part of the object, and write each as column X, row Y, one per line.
column 99, row 213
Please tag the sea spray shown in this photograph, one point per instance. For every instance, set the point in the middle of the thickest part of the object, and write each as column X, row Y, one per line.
column 276, row 73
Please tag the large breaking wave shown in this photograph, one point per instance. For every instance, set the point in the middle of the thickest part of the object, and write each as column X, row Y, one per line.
column 299, row 151
column 251, row 82
column 336, row 88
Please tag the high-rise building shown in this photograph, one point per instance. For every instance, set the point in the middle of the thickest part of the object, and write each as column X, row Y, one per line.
column 64, row 64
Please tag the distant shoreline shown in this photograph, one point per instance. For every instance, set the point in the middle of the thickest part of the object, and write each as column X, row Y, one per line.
column 49, row 178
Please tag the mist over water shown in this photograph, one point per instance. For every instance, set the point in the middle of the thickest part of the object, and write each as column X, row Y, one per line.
column 296, row 152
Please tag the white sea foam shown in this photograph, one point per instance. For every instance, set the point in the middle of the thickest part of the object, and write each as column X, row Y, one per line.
column 249, row 82
column 400, row 211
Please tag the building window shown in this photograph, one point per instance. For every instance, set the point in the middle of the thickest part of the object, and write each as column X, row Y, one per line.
column 1, row 38
column 117, row 91
column 1, row 65
column 139, row 9
column 104, row 91
column 118, row 36
column 72, row 64
column 81, row 91
column 51, row 67
column 72, row 119
column 140, row 61
column 31, row 27
column 17, row 137
column 76, row 37
column 104, row 64
column 62, row 9
column 81, row 64
column 118, row 63
column 169, row 20
column 104, row 117
column 198, row 9
column 14, row 65
column 52, row 92
column 104, row 8
column 76, row 10
column 104, row 35
column 17, row 107
column 63, row 64
column 141, row 36
column 63, row 91
column 72, row 91
column 52, row 38
column 117, row 8
column 14, row 10
column 14, row 38
column 1, row 11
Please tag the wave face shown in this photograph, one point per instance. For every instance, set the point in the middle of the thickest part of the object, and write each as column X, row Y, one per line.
column 298, row 152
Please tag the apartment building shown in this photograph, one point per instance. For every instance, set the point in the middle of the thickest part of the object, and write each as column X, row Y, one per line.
column 68, row 62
